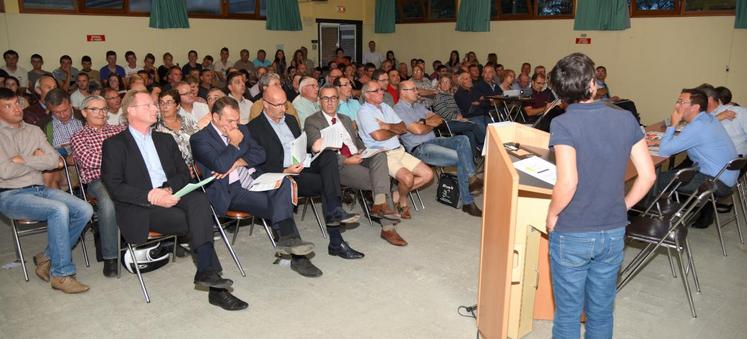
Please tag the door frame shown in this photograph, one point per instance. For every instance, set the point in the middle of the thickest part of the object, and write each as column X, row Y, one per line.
column 358, row 36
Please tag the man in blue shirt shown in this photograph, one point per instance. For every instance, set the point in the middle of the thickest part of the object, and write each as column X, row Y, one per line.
column 707, row 144
column 421, row 142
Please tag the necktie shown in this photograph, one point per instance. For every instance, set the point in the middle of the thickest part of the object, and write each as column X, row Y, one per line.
column 241, row 174
column 344, row 150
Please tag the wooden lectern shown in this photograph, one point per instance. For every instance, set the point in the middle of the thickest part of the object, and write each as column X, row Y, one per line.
column 514, row 283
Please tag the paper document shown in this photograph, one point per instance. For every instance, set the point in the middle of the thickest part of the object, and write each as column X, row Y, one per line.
column 369, row 152
column 191, row 187
column 298, row 150
column 331, row 137
column 267, row 182
column 538, row 168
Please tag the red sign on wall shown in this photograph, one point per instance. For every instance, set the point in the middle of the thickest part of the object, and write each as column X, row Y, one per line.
column 583, row 41
column 95, row 37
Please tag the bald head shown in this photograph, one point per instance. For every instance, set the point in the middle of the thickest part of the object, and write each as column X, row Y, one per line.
column 408, row 91
column 273, row 101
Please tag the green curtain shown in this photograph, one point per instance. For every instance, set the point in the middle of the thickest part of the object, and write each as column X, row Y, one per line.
column 601, row 15
column 386, row 16
column 473, row 16
column 169, row 14
column 283, row 15
column 741, row 19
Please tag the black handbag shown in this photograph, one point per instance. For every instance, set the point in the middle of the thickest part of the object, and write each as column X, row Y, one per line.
column 448, row 190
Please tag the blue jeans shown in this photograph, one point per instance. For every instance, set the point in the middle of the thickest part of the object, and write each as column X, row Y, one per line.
column 481, row 120
column 107, row 219
column 453, row 151
column 65, row 214
column 584, row 268
column 475, row 132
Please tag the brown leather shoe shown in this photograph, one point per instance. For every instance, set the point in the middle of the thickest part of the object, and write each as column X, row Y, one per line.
column 43, row 265
column 404, row 212
column 68, row 285
column 383, row 211
column 393, row 238
column 472, row 210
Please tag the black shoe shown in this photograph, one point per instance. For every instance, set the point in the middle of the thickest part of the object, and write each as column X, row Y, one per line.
column 110, row 268
column 343, row 217
column 212, row 279
column 472, row 210
column 181, row 252
column 225, row 300
column 294, row 246
column 304, row 267
column 344, row 251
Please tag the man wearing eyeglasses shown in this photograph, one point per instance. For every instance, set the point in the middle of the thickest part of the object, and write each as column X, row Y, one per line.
column 421, row 142
column 307, row 103
column 542, row 97
column 87, row 144
column 371, row 173
column 141, row 169
column 114, row 114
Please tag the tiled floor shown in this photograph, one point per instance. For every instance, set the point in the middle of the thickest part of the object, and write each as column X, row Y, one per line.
column 409, row 292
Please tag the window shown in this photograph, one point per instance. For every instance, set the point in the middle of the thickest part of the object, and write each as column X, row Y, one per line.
column 532, row 9
column 642, row 8
column 244, row 9
column 426, row 11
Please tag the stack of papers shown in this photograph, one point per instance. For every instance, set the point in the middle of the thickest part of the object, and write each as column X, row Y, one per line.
column 538, row 168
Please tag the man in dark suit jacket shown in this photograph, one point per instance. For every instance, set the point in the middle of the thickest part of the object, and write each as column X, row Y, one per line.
column 141, row 169
column 356, row 172
column 227, row 150
column 487, row 86
column 274, row 131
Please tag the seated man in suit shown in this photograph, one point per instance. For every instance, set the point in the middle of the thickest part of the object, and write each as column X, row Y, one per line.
column 367, row 174
column 421, row 142
column 24, row 153
column 141, row 170
column 227, row 150
column 274, row 131
column 380, row 128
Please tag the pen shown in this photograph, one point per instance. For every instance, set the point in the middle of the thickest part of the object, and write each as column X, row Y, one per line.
column 544, row 170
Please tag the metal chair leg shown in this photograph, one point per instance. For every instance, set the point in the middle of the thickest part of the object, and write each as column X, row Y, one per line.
column 318, row 221
column 236, row 231
column 417, row 194
column 718, row 225
column 305, row 204
column 269, row 233
column 83, row 246
column 139, row 275
column 686, row 283
column 228, row 245
column 740, row 196
column 364, row 205
column 119, row 253
column 691, row 263
column 671, row 264
column 19, row 249
column 412, row 200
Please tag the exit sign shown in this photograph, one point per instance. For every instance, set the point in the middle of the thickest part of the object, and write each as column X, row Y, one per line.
column 583, row 41
column 95, row 37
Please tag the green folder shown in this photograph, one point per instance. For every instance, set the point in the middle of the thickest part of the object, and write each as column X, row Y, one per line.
column 191, row 187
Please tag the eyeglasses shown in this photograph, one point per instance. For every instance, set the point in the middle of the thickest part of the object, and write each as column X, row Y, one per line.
column 167, row 102
column 344, row 84
column 277, row 105
column 380, row 90
column 408, row 89
column 328, row 99
column 682, row 102
column 95, row 110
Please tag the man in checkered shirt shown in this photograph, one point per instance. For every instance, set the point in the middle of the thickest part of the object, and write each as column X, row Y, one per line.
column 86, row 144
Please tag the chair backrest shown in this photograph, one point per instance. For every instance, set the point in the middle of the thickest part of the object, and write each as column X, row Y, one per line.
column 681, row 177
column 686, row 214
column 736, row 164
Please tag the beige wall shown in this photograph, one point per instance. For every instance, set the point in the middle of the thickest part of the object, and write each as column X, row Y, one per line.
column 649, row 63
column 54, row 35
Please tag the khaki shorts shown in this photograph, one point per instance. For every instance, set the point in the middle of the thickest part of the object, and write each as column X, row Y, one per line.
column 398, row 158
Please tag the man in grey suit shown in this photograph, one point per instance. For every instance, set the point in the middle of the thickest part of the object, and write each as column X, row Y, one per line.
column 371, row 173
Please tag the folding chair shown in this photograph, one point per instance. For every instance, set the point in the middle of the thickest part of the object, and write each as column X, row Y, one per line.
column 739, row 190
column 669, row 231
column 41, row 227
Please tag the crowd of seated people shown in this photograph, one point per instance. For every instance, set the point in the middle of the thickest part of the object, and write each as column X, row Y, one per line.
column 139, row 132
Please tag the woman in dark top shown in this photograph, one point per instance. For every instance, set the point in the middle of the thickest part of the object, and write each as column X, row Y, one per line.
column 279, row 62
column 453, row 59
column 587, row 216
column 163, row 70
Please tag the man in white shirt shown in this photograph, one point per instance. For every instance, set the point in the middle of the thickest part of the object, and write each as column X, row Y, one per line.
column 220, row 66
column 732, row 117
column 191, row 108
column 81, row 82
column 371, row 56
column 11, row 66
column 131, row 66
column 236, row 88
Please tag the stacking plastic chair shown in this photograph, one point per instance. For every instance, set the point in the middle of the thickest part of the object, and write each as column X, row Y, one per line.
column 669, row 231
column 737, row 192
column 25, row 227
